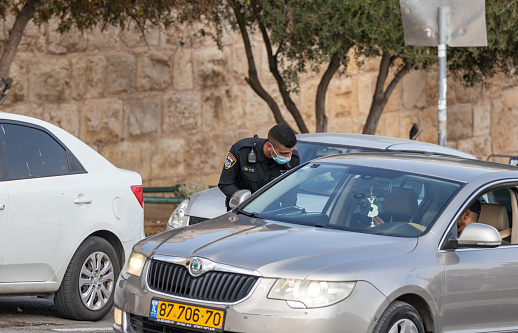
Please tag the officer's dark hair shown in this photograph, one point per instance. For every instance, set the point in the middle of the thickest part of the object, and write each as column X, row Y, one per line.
column 476, row 207
column 282, row 134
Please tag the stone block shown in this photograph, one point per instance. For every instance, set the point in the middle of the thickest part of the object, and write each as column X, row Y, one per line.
column 175, row 36
column 459, row 123
column 428, row 123
column 215, row 110
column 67, row 116
column 414, row 89
column 255, row 111
column 65, row 43
column 182, row 113
column 121, row 73
column 366, row 84
column 482, row 118
column 33, row 40
column 197, row 159
column 239, row 63
column 103, row 40
column 133, row 37
column 131, row 155
column 397, row 98
column 20, row 88
column 182, row 70
column 341, row 98
column 389, row 124
column 504, row 122
column 154, row 70
column 88, row 77
column 28, row 109
column 480, row 146
column 102, row 121
column 495, row 85
column 465, row 94
column 406, row 121
column 211, row 68
column 510, row 97
column 50, row 79
column 141, row 115
column 308, row 92
column 167, row 162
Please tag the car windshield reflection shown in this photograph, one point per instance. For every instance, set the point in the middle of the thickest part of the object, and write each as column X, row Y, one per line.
column 354, row 198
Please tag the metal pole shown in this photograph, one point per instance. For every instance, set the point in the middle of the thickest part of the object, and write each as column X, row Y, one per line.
column 441, row 52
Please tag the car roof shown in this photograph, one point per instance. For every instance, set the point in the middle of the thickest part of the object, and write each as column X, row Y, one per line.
column 448, row 167
column 381, row 143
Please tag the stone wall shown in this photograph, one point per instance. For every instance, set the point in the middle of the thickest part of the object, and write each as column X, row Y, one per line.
column 171, row 112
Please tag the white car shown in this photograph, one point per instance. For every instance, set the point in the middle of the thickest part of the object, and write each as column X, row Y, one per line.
column 68, row 218
column 210, row 203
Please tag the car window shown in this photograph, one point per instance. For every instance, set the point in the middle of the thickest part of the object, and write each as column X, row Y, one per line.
column 496, row 209
column 309, row 151
column 355, row 198
column 32, row 153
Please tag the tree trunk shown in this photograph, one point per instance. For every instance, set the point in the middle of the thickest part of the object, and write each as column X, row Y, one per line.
column 320, row 103
column 381, row 95
column 15, row 35
column 273, row 65
column 253, row 78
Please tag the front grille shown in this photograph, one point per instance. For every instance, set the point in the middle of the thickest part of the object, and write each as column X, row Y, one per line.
column 144, row 325
column 212, row 286
column 196, row 220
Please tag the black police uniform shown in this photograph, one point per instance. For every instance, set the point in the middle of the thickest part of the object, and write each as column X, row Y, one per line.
column 239, row 173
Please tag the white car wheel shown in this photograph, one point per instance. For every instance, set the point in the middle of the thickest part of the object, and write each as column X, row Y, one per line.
column 86, row 292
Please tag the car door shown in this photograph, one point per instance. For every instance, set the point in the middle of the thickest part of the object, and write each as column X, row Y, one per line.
column 50, row 200
column 481, row 293
column 3, row 220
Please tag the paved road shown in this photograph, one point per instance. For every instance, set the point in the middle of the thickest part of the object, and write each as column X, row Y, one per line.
column 36, row 315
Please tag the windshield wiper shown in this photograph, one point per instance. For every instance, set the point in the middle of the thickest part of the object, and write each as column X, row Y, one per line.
column 240, row 211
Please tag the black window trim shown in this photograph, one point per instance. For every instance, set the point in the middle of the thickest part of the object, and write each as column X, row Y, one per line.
column 4, row 170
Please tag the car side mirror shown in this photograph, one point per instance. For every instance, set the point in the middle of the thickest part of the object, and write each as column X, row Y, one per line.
column 238, row 197
column 477, row 235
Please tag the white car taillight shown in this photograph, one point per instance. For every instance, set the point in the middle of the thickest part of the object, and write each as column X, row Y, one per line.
column 137, row 190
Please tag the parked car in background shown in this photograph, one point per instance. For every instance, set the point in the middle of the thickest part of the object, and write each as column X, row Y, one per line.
column 210, row 203
column 355, row 243
column 68, row 218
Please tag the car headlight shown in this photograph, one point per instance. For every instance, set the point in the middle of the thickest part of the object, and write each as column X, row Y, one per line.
column 176, row 220
column 134, row 265
column 313, row 294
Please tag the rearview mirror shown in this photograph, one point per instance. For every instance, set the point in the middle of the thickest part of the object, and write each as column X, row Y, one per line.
column 238, row 197
column 478, row 235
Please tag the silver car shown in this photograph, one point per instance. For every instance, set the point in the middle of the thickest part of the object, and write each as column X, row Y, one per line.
column 351, row 243
column 210, row 203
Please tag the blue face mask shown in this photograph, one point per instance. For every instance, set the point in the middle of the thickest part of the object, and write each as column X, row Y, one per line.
column 280, row 159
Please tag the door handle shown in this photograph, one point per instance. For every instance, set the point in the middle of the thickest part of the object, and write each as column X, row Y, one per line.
column 2, row 206
column 82, row 200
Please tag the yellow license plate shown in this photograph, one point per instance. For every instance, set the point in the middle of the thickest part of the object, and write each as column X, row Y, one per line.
column 188, row 315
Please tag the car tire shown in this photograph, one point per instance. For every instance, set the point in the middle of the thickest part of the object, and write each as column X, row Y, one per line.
column 400, row 317
column 87, row 289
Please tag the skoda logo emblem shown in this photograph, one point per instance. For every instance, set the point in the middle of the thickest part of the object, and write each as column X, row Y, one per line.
column 196, row 267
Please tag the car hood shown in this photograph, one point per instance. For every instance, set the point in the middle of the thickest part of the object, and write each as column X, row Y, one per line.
column 277, row 249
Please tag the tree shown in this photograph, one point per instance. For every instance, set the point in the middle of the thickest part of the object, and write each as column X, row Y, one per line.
column 81, row 14
column 303, row 35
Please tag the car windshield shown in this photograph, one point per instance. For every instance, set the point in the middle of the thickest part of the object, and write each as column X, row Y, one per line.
column 355, row 198
column 309, row 151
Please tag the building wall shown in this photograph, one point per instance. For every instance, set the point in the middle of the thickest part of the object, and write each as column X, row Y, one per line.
column 171, row 112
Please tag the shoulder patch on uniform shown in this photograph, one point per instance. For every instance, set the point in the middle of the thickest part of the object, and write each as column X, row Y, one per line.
column 230, row 161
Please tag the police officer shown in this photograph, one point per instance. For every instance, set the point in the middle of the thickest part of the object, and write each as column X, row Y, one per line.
column 253, row 162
